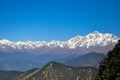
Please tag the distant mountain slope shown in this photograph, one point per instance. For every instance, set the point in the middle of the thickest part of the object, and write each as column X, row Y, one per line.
column 91, row 59
column 25, row 61
column 64, row 59
column 57, row 71
column 9, row 75
column 13, row 61
column 18, row 65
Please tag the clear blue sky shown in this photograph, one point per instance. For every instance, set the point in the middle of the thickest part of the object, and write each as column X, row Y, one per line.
column 57, row 19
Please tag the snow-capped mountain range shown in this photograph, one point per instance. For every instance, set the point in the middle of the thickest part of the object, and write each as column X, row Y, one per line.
column 93, row 42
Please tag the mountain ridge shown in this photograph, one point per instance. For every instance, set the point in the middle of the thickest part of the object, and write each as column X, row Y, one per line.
column 14, row 61
column 58, row 71
column 90, row 59
column 81, row 44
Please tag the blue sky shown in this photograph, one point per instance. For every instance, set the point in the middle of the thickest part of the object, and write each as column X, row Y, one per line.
column 57, row 19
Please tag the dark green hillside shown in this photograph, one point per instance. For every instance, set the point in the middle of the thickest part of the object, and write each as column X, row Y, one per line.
column 9, row 75
column 110, row 67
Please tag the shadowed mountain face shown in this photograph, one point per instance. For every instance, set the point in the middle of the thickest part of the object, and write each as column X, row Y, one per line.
column 91, row 59
column 9, row 75
column 57, row 71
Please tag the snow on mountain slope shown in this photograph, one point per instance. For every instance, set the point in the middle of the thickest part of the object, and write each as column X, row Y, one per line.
column 94, row 39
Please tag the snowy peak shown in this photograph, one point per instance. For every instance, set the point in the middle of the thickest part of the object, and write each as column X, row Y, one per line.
column 91, row 40
column 95, row 34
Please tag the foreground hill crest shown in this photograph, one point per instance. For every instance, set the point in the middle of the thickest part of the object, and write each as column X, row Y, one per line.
column 58, row 71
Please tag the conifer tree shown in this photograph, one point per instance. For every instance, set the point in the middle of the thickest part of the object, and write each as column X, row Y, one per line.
column 109, row 68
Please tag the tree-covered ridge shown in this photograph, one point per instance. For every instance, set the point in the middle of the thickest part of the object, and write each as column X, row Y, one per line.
column 109, row 68
column 58, row 71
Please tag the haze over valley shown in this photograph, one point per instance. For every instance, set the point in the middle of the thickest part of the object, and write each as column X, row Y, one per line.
column 35, row 54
